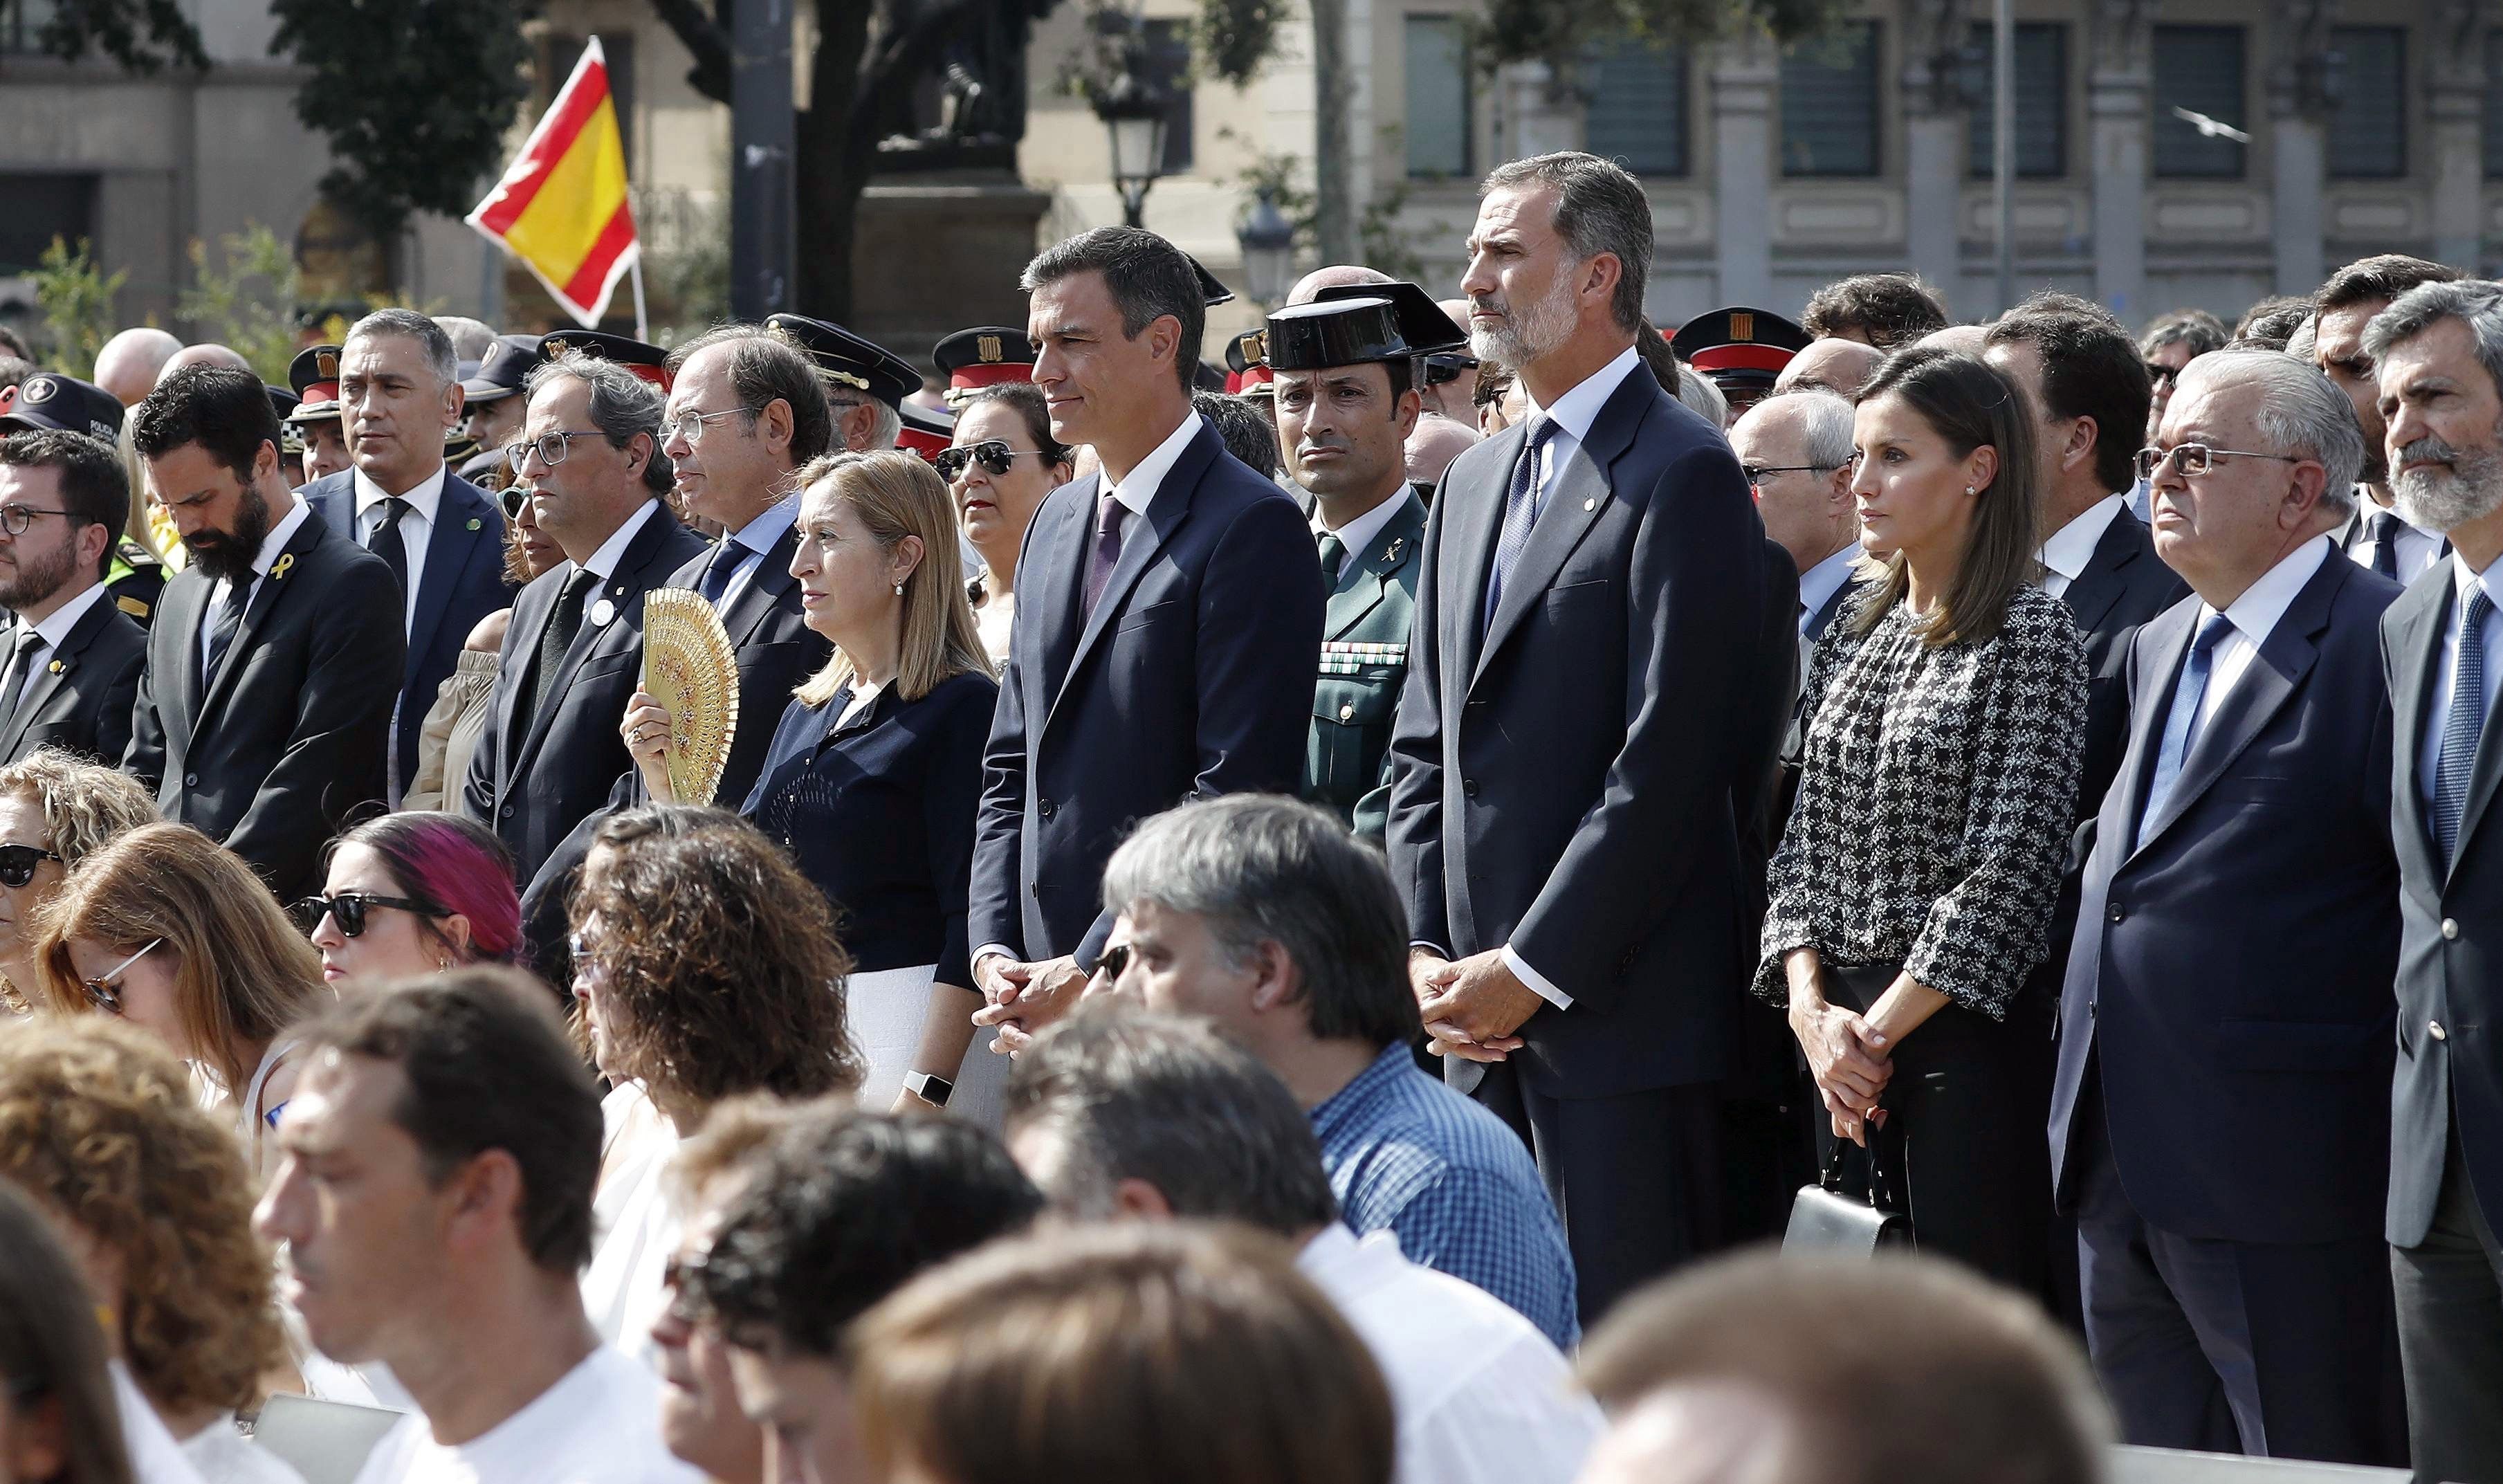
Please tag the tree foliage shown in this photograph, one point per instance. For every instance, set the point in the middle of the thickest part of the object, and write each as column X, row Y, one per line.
column 247, row 299
column 415, row 96
column 76, row 300
column 142, row 35
column 1558, row 32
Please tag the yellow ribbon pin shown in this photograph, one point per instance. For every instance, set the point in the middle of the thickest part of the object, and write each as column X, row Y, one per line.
column 57, row 666
column 279, row 570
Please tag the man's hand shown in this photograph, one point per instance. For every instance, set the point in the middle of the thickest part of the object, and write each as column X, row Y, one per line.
column 1023, row 998
column 1472, row 1006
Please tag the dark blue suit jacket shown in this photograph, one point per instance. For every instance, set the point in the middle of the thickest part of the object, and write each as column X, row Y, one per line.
column 2450, row 940
column 82, row 699
column 463, row 581
column 1570, row 783
column 1193, row 677
column 2231, row 972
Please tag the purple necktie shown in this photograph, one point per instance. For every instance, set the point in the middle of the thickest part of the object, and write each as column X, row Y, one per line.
column 1109, row 515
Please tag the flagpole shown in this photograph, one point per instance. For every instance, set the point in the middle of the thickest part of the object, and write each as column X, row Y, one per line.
column 642, row 321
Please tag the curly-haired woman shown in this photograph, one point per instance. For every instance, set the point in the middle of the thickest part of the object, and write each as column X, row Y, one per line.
column 704, row 966
column 55, row 808
column 98, row 1124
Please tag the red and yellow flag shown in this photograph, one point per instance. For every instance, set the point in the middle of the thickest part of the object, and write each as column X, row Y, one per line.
column 561, row 207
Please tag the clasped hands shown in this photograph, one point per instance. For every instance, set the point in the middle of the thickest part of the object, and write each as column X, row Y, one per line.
column 1851, row 1061
column 1023, row 998
column 1471, row 1006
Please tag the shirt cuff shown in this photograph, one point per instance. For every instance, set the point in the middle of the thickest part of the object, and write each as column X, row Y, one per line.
column 987, row 949
column 1435, row 948
column 1537, row 982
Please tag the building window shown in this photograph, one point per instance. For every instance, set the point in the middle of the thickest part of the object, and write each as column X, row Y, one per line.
column 1830, row 121
column 1438, row 98
column 2041, row 101
column 1169, row 68
column 558, row 55
column 1637, row 113
column 2198, row 70
column 2368, row 134
column 41, row 208
column 21, row 25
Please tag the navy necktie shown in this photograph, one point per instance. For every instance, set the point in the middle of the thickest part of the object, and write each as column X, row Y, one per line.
column 1520, row 513
column 222, row 632
column 2461, row 725
column 1111, row 515
column 2383, row 530
column 2181, row 725
column 717, row 573
column 21, row 669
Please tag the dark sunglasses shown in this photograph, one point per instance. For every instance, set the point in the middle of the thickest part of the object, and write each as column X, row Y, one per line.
column 18, row 863
column 2160, row 375
column 1445, row 368
column 995, row 455
column 104, row 991
column 1112, row 961
column 348, row 909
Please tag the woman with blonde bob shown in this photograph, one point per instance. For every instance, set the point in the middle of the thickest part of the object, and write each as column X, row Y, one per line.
column 166, row 930
column 877, row 768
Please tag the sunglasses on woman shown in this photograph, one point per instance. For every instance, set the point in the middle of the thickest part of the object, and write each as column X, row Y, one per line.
column 104, row 991
column 18, row 864
column 512, row 498
column 994, row 454
column 348, row 909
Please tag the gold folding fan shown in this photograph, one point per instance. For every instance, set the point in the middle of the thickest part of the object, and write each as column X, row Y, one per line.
column 690, row 668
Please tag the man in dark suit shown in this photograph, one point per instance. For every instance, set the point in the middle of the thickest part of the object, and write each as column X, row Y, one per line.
column 263, row 715
column 73, row 659
column 573, row 652
column 1169, row 609
column 1566, row 777
column 442, row 536
column 2219, row 1115
column 2434, row 349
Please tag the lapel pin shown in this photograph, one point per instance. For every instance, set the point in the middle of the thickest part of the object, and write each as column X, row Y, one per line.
column 1591, row 504
column 602, row 611
column 56, row 667
column 1390, row 553
column 473, row 523
column 278, row 573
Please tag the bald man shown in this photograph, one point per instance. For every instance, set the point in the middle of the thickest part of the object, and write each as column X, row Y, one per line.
column 1967, row 338
column 1431, row 448
column 1839, row 366
column 129, row 361
column 207, row 353
column 1336, row 276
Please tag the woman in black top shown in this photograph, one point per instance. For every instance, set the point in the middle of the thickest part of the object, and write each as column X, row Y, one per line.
column 876, row 769
column 1913, row 888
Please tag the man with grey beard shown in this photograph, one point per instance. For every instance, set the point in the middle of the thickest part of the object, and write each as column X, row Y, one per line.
column 1564, row 773
column 2437, row 352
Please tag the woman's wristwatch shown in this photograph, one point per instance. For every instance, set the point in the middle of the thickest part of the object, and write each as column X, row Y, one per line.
column 930, row 1088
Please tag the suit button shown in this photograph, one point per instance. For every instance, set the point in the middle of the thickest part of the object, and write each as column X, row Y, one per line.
column 507, row 812
column 2090, row 1009
column 2118, row 912
column 191, row 781
column 1347, row 712
column 1044, row 808
column 2450, row 927
column 1469, row 786
column 1035, row 890
column 2434, row 1029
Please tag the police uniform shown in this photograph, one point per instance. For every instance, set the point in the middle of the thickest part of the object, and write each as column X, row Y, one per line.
column 844, row 359
column 642, row 357
column 984, row 356
column 134, row 579
column 1741, row 350
column 507, row 363
column 1247, row 365
column 924, row 431
column 1371, row 598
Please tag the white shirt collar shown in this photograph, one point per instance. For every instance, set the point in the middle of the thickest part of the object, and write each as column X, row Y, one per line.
column 1576, row 410
column 1825, row 579
column 276, row 541
column 1146, row 481
column 759, row 534
column 425, row 496
column 1357, row 535
column 2072, row 545
column 2463, row 579
column 2255, row 613
column 52, row 631
column 603, row 562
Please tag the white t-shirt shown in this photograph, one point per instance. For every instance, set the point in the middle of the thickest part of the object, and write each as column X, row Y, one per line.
column 599, row 1424
column 633, row 1228
column 1481, row 1396
column 155, row 1456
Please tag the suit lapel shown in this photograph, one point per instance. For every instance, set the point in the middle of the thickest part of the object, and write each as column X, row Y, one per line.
column 532, row 611
column 1580, row 491
column 54, row 673
column 2415, row 654
column 186, row 604
column 2481, row 779
column 1166, row 514
column 2097, row 588
column 1061, row 549
column 272, row 591
column 1473, row 517
column 1378, row 568
column 461, row 528
column 767, row 582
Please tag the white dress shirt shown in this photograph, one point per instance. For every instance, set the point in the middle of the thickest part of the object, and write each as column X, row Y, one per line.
column 416, row 526
column 48, row 634
column 1478, row 1394
column 1819, row 583
column 2419, row 550
column 2254, row 616
column 603, row 562
column 223, row 593
column 2071, row 547
column 1359, row 534
column 758, row 536
column 2446, row 674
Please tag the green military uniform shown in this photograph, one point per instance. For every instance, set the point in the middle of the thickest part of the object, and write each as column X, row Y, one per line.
column 1363, row 664
column 134, row 580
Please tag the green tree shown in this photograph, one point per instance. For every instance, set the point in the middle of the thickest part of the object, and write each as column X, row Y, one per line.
column 245, row 300
column 76, row 300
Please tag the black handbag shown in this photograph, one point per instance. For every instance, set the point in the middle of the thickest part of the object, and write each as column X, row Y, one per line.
column 1825, row 1220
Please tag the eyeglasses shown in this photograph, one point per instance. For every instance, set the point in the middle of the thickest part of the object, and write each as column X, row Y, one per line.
column 104, row 991
column 2194, row 458
column 1443, row 370
column 551, row 447
column 1756, row 472
column 2160, row 373
column 18, row 520
column 348, row 909
column 994, row 455
column 1113, row 962
column 18, row 863
column 512, row 498
column 688, row 428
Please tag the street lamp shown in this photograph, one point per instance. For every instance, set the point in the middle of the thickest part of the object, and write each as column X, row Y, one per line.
column 1134, row 111
column 1268, row 242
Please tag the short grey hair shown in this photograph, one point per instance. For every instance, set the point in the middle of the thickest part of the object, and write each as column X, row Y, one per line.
column 1599, row 208
column 1262, row 868
column 1701, row 396
column 409, row 324
column 623, row 404
column 1824, row 425
column 2298, row 412
column 886, row 425
column 2477, row 303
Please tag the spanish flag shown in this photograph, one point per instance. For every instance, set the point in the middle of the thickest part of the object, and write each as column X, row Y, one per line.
column 561, row 207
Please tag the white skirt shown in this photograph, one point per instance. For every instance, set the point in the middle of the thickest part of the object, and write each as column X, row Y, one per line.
column 886, row 1008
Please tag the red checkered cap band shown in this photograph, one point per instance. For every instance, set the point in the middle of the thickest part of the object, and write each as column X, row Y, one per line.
column 968, row 377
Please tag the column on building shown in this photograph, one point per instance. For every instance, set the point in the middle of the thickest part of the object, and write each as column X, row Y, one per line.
column 1744, row 73
column 1934, row 143
column 1540, row 117
column 2119, row 98
column 2299, row 105
column 2456, row 105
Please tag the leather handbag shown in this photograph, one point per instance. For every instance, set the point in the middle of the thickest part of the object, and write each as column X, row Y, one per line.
column 1825, row 1220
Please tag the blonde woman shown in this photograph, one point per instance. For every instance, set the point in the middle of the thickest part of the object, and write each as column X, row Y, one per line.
column 874, row 772
column 55, row 810
column 165, row 929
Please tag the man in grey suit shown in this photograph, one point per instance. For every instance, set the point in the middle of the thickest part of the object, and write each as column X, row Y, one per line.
column 2439, row 353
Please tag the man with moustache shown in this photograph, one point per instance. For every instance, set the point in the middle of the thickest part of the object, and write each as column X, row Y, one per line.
column 263, row 714
column 2376, row 535
column 73, row 662
column 2438, row 352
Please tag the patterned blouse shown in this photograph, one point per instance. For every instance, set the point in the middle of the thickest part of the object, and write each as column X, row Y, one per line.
column 1934, row 804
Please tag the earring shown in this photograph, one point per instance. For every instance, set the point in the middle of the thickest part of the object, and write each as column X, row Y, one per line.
column 899, row 590
column 443, row 966
column 1967, row 489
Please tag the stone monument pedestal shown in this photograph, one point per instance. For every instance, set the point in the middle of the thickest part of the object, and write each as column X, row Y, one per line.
column 941, row 252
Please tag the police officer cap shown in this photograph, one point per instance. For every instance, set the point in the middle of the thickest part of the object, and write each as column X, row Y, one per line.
column 849, row 360
column 924, row 431
column 649, row 362
column 986, row 356
column 50, row 399
column 502, row 369
column 314, row 373
column 1211, row 293
column 1737, row 347
column 1358, row 323
column 284, row 399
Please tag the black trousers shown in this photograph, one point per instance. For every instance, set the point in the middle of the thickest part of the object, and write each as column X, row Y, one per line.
column 2450, row 1290
column 1636, row 1177
column 1964, row 1140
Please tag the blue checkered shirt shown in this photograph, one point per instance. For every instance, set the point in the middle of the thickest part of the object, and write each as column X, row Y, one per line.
column 1455, row 1184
